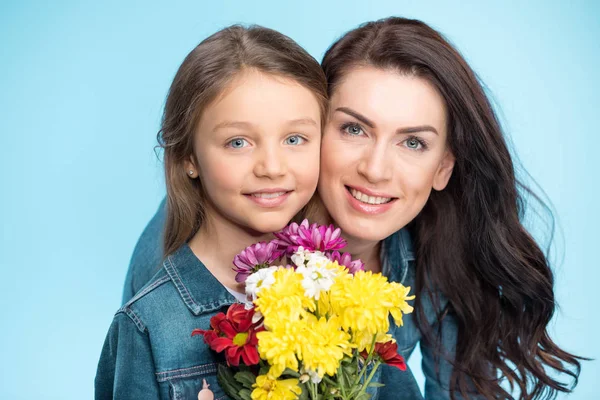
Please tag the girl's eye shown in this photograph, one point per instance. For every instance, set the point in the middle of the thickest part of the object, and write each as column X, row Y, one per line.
column 352, row 129
column 294, row 140
column 237, row 143
column 414, row 143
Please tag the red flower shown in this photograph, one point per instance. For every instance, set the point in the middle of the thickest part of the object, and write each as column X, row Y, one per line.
column 235, row 334
column 388, row 353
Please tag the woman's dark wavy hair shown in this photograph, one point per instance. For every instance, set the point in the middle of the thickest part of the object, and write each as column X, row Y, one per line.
column 470, row 242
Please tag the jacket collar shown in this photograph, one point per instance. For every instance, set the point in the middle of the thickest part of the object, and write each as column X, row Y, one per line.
column 396, row 254
column 197, row 286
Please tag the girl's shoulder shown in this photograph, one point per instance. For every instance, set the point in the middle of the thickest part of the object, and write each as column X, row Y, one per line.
column 180, row 293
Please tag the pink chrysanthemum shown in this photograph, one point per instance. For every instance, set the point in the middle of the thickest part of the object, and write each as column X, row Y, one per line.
column 287, row 238
column 346, row 260
column 320, row 238
column 255, row 257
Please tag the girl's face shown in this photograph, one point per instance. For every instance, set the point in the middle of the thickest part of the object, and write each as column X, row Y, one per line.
column 383, row 150
column 257, row 152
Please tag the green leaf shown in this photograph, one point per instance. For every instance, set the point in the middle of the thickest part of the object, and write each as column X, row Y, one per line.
column 246, row 378
column 264, row 369
column 291, row 372
column 228, row 382
column 304, row 394
column 246, row 394
column 375, row 384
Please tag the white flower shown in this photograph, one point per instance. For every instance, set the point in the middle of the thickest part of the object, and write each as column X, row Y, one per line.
column 314, row 377
column 316, row 278
column 260, row 279
column 309, row 258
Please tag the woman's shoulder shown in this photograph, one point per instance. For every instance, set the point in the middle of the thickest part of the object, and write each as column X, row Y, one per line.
column 147, row 255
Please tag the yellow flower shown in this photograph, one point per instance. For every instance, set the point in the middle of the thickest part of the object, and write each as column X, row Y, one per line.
column 362, row 302
column 281, row 346
column 363, row 340
column 284, row 301
column 400, row 304
column 268, row 388
column 325, row 346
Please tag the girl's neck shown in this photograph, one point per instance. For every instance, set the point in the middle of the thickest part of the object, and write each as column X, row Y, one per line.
column 216, row 244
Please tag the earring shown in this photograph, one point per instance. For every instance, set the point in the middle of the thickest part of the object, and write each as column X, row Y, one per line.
column 191, row 172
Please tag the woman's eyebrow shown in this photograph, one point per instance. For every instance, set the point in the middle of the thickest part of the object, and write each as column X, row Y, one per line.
column 371, row 124
column 356, row 115
column 417, row 129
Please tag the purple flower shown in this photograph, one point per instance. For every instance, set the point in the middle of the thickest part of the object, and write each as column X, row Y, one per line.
column 253, row 258
column 320, row 238
column 287, row 238
column 346, row 260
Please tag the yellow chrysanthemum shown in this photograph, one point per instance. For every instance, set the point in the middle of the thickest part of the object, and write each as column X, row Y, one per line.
column 325, row 345
column 363, row 302
column 399, row 301
column 281, row 346
column 267, row 388
column 363, row 340
column 284, row 301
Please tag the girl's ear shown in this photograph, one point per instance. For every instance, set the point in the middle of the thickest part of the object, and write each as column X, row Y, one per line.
column 444, row 171
column 191, row 169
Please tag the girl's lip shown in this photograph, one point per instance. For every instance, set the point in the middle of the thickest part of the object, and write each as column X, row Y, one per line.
column 272, row 202
column 371, row 209
column 268, row 190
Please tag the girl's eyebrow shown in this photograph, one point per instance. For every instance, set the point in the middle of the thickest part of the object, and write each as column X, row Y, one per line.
column 248, row 125
column 371, row 124
column 303, row 121
column 233, row 124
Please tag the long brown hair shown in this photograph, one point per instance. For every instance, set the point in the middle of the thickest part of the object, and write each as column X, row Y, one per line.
column 202, row 76
column 470, row 243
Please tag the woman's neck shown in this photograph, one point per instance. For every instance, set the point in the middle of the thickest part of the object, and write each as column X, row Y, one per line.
column 216, row 244
column 367, row 252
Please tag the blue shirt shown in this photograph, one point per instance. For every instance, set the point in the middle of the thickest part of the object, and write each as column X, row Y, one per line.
column 149, row 351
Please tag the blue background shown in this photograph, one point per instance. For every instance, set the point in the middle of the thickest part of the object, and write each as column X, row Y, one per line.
column 82, row 87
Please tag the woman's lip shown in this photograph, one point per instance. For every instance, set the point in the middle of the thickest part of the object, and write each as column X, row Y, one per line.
column 269, row 203
column 371, row 209
column 370, row 192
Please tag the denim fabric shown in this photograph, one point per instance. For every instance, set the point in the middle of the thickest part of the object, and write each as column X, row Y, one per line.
column 398, row 261
column 149, row 352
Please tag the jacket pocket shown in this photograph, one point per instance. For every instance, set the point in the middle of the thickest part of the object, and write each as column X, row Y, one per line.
column 185, row 383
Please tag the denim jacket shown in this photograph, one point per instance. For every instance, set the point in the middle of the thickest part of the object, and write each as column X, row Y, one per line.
column 194, row 295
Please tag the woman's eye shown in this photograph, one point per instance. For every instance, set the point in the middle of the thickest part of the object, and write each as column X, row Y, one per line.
column 237, row 143
column 353, row 129
column 413, row 143
column 294, row 140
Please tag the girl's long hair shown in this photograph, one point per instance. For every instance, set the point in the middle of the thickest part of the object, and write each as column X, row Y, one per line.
column 203, row 75
column 470, row 242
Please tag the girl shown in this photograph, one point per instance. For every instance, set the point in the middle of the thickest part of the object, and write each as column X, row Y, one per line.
column 416, row 171
column 241, row 135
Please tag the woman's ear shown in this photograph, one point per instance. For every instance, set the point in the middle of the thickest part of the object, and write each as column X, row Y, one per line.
column 191, row 169
column 444, row 171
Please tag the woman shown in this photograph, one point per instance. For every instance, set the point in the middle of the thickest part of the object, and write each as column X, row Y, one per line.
column 416, row 172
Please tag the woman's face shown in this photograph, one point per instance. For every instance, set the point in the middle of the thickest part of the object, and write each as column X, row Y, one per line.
column 383, row 151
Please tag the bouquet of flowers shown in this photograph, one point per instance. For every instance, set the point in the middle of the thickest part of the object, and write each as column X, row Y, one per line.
column 314, row 329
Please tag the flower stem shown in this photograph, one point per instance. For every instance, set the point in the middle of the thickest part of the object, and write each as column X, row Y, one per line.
column 369, row 378
column 367, row 361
